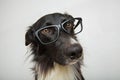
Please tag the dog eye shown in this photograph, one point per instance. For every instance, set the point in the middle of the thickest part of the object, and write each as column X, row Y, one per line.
column 45, row 31
column 48, row 31
column 69, row 25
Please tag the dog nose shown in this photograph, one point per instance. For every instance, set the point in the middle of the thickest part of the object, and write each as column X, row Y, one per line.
column 75, row 51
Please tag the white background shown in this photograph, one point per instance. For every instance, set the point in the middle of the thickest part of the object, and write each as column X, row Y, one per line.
column 100, row 37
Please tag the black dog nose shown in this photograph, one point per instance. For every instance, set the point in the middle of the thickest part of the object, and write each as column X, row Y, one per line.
column 75, row 51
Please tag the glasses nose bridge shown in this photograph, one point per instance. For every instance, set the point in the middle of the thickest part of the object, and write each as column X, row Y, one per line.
column 59, row 27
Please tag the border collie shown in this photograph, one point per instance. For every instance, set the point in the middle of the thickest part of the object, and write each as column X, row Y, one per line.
column 57, row 54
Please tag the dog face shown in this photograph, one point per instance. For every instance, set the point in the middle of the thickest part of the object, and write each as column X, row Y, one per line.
column 53, row 37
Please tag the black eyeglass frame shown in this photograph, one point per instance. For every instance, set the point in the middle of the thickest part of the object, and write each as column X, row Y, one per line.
column 59, row 27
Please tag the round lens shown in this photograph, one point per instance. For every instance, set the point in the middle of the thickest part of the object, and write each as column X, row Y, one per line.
column 48, row 34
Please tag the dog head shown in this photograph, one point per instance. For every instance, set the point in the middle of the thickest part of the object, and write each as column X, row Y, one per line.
column 53, row 37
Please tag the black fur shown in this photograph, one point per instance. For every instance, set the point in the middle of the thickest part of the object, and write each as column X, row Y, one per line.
column 45, row 55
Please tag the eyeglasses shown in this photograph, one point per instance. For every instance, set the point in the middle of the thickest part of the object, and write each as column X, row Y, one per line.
column 50, row 34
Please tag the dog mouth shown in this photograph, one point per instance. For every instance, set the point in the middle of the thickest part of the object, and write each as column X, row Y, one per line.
column 70, row 61
column 64, row 60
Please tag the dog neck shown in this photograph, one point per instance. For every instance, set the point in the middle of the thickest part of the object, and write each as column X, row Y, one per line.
column 59, row 72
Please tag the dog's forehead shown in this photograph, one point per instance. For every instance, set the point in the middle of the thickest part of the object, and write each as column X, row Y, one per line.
column 56, row 18
column 51, row 19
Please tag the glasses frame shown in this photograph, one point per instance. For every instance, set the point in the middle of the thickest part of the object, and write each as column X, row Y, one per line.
column 59, row 27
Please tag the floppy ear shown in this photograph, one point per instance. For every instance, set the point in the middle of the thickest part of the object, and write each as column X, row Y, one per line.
column 28, row 37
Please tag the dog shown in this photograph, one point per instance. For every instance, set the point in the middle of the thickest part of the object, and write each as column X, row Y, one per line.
column 57, row 54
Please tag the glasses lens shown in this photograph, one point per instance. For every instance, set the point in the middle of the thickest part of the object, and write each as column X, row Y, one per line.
column 48, row 35
column 72, row 26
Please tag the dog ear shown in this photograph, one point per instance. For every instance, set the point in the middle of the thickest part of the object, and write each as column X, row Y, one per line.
column 28, row 37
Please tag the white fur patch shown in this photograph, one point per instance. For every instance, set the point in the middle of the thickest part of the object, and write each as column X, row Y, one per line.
column 73, row 41
column 60, row 73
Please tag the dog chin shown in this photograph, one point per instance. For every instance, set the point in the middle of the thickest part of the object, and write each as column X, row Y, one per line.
column 71, row 62
column 68, row 62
